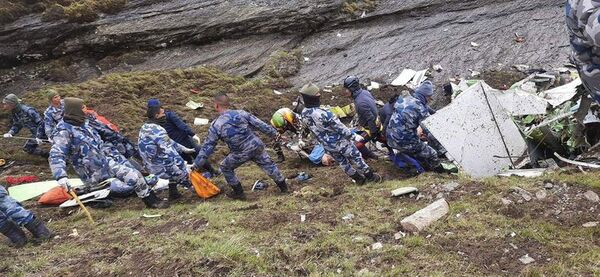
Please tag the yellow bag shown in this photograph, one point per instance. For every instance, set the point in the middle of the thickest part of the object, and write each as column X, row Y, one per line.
column 203, row 187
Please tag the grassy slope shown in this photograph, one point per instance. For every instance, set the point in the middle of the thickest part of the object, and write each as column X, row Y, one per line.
column 264, row 236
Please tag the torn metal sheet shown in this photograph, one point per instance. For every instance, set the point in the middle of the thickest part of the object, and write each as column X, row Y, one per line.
column 92, row 196
column 405, row 76
column 201, row 121
column 418, row 78
column 562, row 94
column 373, row 85
column 527, row 173
column 466, row 128
column 518, row 103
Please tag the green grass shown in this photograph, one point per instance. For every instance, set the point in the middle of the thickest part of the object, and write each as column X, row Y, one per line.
column 79, row 11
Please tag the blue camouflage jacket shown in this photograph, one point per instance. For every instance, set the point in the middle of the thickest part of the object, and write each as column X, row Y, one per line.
column 236, row 129
column 583, row 22
column 24, row 116
column 407, row 116
column 156, row 148
column 326, row 127
column 52, row 116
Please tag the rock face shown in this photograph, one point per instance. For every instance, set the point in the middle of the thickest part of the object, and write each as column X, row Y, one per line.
column 239, row 35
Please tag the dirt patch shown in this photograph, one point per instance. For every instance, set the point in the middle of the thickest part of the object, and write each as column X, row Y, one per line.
column 502, row 79
column 496, row 255
column 563, row 205
column 177, row 226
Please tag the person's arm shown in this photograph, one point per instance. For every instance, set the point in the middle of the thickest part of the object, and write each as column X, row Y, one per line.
column 208, row 147
column 175, row 119
column 49, row 124
column 59, row 154
column 337, row 125
column 261, row 125
column 592, row 26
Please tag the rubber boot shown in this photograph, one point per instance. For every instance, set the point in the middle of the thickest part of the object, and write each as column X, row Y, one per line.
column 173, row 192
column 373, row 177
column 153, row 202
column 38, row 229
column 283, row 187
column 14, row 233
column 237, row 192
column 358, row 178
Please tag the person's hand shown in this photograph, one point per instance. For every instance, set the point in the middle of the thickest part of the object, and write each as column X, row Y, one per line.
column 7, row 135
column 50, row 141
column 196, row 138
column 358, row 138
column 421, row 133
column 39, row 141
column 188, row 150
column 64, row 183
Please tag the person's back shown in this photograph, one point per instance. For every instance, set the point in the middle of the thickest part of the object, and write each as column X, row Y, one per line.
column 408, row 114
column 235, row 129
column 365, row 108
column 328, row 129
column 26, row 117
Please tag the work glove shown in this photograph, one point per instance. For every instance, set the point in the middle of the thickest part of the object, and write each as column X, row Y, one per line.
column 196, row 139
column 358, row 138
column 50, row 141
column 39, row 141
column 8, row 135
column 188, row 150
column 64, row 183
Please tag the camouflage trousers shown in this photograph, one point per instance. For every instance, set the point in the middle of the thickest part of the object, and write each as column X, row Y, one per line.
column 12, row 210
column 345, row 153
column 129, row 176
column 175, row 173
column 258, row 156
column 420, row 151
column 591, row 81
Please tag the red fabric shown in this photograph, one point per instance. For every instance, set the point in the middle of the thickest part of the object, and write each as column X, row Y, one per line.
column 11, row 180
column 102, row 119
column 55, row 197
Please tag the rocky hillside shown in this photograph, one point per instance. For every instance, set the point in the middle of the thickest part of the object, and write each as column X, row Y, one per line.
column 373, row 39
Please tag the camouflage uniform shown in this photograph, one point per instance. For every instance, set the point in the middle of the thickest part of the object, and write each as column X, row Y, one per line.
column 116, row 139
column 11, row 209
column 92, row 159
column 583, row 22
column 335, row 138
column 52, row 116
column 161, row 154
column 402, row 131
column 24, row 116
column 234, row 127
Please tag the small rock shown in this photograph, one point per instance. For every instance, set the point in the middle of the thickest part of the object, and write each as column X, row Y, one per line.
column 135, row 233
column 513, row 246
column 399, row 235
column 448, row 187
column 438, row 68
column 548, row 186
column 439, row 195
column 525, row 194
column 302, row 217
column 505, row 201
column 591, row 196
column 348, row 217
column 376, row 246
column 474, row 44
column 526, row 259
column 591, row 224
column 74, row 233
column 540, row 194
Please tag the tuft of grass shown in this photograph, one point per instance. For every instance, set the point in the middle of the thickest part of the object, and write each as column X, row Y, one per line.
column 79, row 11
column 355, row 8
column 283, row 64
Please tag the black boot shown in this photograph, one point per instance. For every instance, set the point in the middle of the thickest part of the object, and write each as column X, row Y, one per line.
column 373, row 177
column 14, row 233
column 358, row 178
column 237, row 192
column 38, row 229
column 283, row 187
column 153, row 202
column 173, row 192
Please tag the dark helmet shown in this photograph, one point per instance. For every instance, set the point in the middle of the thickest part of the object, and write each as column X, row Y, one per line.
column 352, row 83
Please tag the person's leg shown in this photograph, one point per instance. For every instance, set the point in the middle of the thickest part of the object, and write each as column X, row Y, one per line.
column 133, row 178
column 13, row 210
column 12, row 231
column 227, row 167
column 424, row 153
column 352, row 154
column 263, row 160
column 591, row 81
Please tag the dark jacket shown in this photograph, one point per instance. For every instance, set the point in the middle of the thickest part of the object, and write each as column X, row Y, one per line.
column 385, row 114
column 366, row 110
column 178, row 130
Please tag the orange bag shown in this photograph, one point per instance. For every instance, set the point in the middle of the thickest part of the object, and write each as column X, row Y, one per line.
column 203, row 187
column 54, row 197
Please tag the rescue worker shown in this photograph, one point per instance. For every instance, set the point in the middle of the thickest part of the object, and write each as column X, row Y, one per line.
column 285, row 121
column 368, row 114
column 93, row 160
column 110, row 136
column 13, row 216
column 23, row 116
column 583, row 23
column 161, row 155
column 53, row 114
column 404, row 132
column 234, row 127
column 335, row 137
column 176, row 128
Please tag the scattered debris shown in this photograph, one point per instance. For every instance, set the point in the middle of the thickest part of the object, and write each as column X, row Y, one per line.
column 31, row 190
column 306, row 59
column 399, row 235
column 426, row 216
column 437, row 68
column 302, row 177
column 505, row 201
column 474, row 44
column 88, row 197
column 17, row 180
column 541, row 194
column 373, row 85
column 74, row 233
column 526, row 259
column 302, row 217
column 201, row 121
column 451, row 186
column 259, row 185
column 562, row 94
column 277, row 92
column 591, row 224
column 519, row 39
column 524, row 194
column 405, row 76
column 151, row 215
column 591, row 196
column 194, row 105
column 548, row 186
column 527, row 173
column 403, row 191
